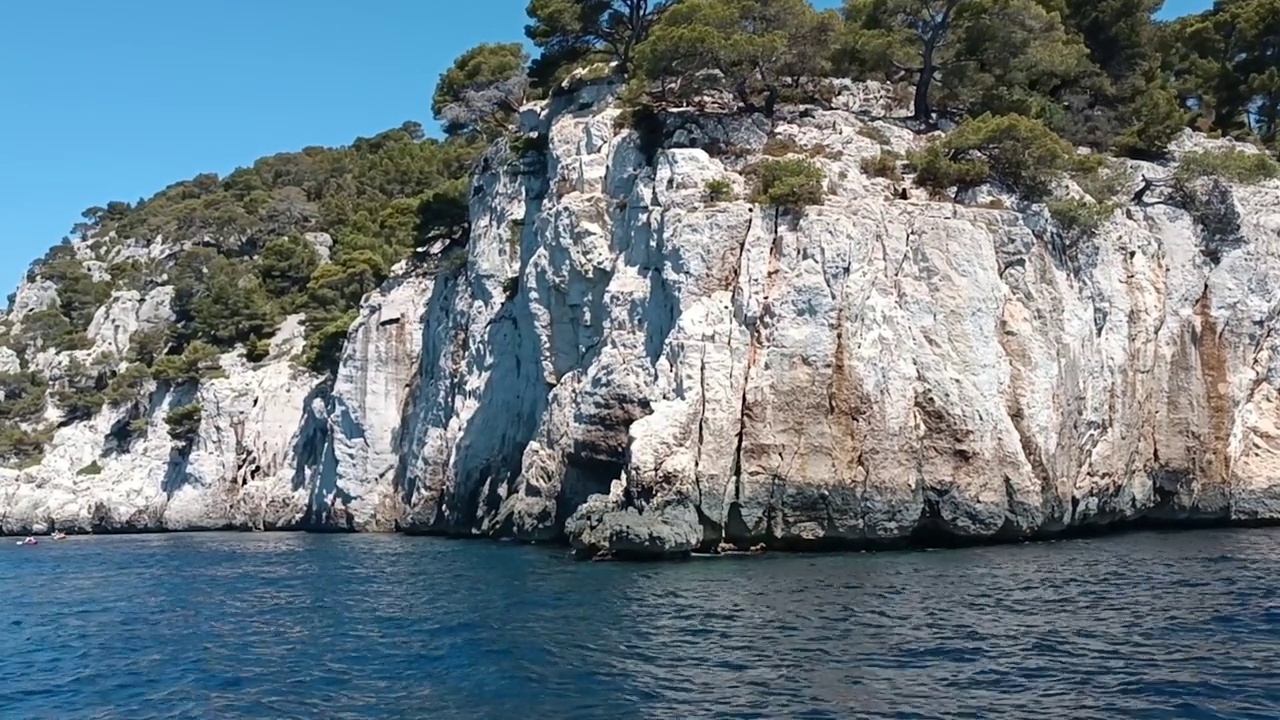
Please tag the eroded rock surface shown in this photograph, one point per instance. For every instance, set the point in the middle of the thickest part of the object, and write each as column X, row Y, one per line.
column 865, row 370
column 623, row 363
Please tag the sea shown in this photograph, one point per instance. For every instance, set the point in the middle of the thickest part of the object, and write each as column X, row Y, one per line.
column 1147, row 625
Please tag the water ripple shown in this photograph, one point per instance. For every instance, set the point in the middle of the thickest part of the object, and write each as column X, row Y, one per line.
column 299, row 626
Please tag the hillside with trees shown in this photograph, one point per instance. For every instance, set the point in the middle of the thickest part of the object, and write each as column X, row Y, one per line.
column 1022, row 82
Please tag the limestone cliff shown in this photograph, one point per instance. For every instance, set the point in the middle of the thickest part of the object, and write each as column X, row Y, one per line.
column 622, row 362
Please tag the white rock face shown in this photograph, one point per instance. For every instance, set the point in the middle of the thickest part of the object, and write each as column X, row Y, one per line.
column 32, row 297
column 155, row 309
column 354, row 487
column 625, row 364
column 867, row 370
column 247, row 467
column 322, row 243
column 114, row 323
column 9, row 361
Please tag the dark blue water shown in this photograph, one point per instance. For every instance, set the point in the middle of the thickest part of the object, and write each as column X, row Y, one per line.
column 304, row 626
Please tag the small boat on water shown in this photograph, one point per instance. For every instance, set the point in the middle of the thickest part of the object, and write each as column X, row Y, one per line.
column 29, row 541
column 58, row 535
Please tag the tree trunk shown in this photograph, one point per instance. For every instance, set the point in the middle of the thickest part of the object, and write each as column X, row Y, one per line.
column 923, row 110
column 770, row 101
column 637, row 12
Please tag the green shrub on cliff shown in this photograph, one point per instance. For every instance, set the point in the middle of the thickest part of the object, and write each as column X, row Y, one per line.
column 378, row 199
column 24, row 396
column 49, row 329
column 198, row 362
column 78, row 392
column 257, row 349
column 718, row 190
column 791, row 183
column 129, row 385
column 1079, row 216
column 763, row 51
column 22, row 435
column 145, row 346
column 184, row 423
column 20, row 447
column 884, row 165
column 1012, row 149
column 324, row 347
column 285, row 265
column 1239, row 166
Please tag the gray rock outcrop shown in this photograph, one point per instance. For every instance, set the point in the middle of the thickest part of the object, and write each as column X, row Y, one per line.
column 623, row 363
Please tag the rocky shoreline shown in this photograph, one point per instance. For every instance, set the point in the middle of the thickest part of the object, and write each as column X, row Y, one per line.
column 916, row 542
column 625, row 361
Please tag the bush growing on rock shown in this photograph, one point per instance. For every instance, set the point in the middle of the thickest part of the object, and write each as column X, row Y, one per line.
column 884, row 165
column 184, row 424
column 937, row 170
column 1239, row 166
column 481, row 92
column 20, row 447
column 129, row 385
column 1155, row 120
column 145, row 346
column 49, row 329
column 131, row 274
column 79, row 295
column 24, row 395
column 1079, row 216
column 257, row 349
column 719, row 190
column 22, row 403
column 791, row 183
column 528, row 144
column 78, row 393
column 1015, row 150
column 285, row 265
column 324, row 347
column 762, row 51
column 1101, row 180
column 443, row 213
column 219, row 300
column 198, row 362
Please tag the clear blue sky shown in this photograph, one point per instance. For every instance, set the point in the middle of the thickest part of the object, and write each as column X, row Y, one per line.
column 114, row 99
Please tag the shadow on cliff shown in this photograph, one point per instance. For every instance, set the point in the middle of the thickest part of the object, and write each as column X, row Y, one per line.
column 175, row 471
column 314, row 464
column 486, row 458
column 413, row 424
column 313, row 435
column 125, row 430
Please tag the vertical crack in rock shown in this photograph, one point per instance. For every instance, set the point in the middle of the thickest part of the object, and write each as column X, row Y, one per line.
column 735, row 285
column 712, row 529
column 702, row 415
